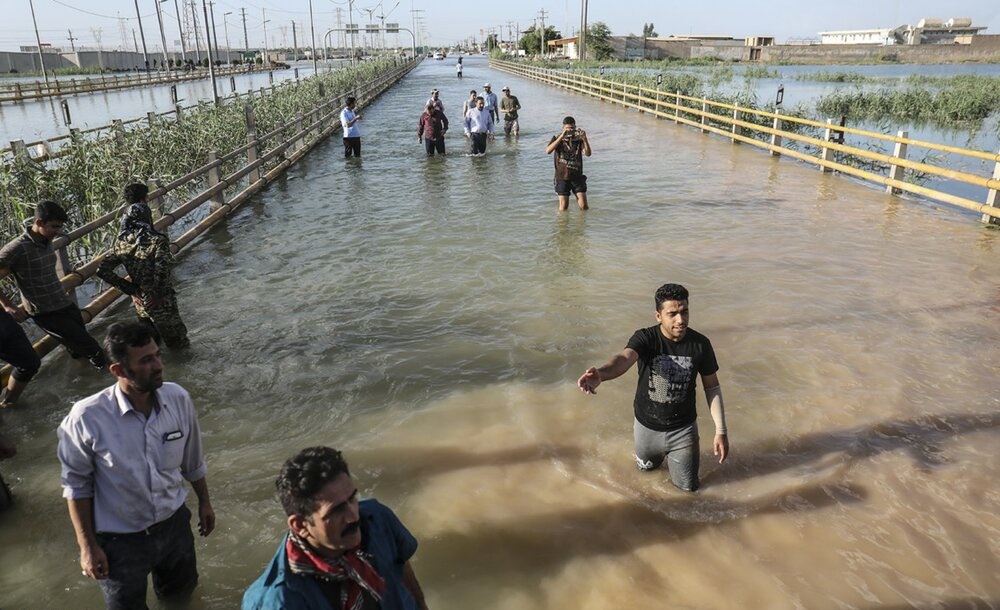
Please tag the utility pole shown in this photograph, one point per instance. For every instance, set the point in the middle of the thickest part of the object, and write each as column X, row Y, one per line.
column 225, row 28
column 208, row 51
column 71, row 39
column 96, row 32
column 163, row 37
column 38, row 41
column 542, row 13
column 582, row 42
column 180, row 28
column 267, row 60
column 295, row 42
column 215, row 33
column 246, row 41
column 312, row 28
column 145, row 57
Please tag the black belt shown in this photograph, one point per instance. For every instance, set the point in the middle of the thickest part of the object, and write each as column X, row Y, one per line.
column 149, row 531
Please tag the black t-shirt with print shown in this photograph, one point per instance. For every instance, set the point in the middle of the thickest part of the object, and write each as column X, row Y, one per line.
column 568, row 158
column 668, row 370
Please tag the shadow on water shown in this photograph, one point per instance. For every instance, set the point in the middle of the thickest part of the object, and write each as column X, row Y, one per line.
column 920, row 438
column 397, row 467
column 548, row 542
column 967, row 603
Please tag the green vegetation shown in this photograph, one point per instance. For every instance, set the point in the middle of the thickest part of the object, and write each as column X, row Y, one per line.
column 959, row 100
column 825, row 76
column 599, row 41
column 88, row 180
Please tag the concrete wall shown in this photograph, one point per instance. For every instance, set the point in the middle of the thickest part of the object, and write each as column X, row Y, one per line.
column 982, row 49
column 28, row 62
column 110, row 60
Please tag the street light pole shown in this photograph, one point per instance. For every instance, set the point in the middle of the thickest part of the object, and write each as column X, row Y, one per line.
column 208, row 50
column 583, row 30
column 145, row 58
column 163, row 37
column 312, row 30
column 38, row 41
column 225, row 28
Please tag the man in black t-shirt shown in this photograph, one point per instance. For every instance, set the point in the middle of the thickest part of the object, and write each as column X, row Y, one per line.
column 670, row 356
column 570, row 146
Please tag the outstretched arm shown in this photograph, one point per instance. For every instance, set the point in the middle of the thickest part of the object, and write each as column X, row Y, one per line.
column 616, row 367
column 713, row 395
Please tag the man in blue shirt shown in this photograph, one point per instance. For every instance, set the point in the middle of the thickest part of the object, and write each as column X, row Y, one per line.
column 339, row 553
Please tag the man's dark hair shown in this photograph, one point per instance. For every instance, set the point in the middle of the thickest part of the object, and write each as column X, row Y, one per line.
column 47, row 211
column 569, row 121
column 136, row 192
column 480, row 99
column 305, row 475
column 670, row 292
column 123, row 335
column 351, row 101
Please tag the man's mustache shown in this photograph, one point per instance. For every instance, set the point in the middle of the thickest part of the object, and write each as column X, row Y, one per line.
column 351, row 529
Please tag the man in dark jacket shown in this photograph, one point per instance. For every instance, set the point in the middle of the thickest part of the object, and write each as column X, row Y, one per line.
column 431, row 130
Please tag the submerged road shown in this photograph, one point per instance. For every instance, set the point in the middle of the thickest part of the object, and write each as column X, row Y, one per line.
column 430, row 318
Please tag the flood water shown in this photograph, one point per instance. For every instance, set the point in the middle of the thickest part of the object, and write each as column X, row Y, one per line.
column 430, row 318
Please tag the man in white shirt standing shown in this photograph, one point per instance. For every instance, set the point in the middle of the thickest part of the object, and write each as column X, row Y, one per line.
column 125, row 453
column 352, row 131
column 478, row 127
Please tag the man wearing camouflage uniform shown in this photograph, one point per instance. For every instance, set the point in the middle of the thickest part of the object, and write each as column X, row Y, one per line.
column 145, row 254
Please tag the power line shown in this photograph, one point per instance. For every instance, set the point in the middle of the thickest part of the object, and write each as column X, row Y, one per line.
column 80, row 10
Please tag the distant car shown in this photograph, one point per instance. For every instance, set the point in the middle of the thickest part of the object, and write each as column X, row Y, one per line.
column 439, row 55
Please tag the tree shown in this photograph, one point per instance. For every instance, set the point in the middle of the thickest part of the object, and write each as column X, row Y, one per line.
column 492, row 42
column 531, row 39
column 599, row 40
column 649, row 30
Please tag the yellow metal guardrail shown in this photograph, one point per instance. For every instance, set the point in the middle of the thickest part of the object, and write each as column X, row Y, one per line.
column 707, row 115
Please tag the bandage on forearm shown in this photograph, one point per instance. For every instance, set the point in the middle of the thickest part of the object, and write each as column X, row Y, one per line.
column 714, row 398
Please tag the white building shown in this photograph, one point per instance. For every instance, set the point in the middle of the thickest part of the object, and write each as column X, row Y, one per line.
column 927, row 31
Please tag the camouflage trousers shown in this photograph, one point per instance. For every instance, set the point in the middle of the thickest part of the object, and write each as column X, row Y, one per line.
column 165, row 320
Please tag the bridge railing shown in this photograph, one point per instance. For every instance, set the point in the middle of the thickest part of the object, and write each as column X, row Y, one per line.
column 53, row 148
column 288, row 142
column 25, row 91
column 765, row 130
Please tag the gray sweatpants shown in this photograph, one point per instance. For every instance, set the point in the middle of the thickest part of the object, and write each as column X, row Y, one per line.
column 679, row 447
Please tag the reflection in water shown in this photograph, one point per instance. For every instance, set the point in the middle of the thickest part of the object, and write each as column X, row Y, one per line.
column 430, row 317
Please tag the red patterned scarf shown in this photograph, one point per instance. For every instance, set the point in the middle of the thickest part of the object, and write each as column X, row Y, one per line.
column 351, row 568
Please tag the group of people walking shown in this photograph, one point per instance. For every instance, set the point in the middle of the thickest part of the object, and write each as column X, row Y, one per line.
column 480, row 114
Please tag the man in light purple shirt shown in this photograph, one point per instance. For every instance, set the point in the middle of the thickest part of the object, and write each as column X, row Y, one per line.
column 125, row 453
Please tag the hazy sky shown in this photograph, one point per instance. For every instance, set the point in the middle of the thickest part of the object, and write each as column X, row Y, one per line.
column 447, row 21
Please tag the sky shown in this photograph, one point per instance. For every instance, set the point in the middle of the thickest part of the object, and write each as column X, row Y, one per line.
column 445, row 22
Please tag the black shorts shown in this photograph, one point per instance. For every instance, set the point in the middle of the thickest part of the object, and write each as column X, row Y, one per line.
column 575, row 184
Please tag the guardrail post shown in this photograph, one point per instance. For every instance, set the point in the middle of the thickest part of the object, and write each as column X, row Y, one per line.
column 17, row 92
column 150, row 118
column 252, row 153
column 300, row 143
column 993, row 197
column 20, row 150
column 775, row 138
column 736, row 117
column 178, row 110
column 826, row 154
column 704, row 119
column 677, row 107
column 119, row 130
column 895, row 171
column 270, row 77
column 232, row 84
column 214, row 178
column 38, row 87
column 624, row 88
